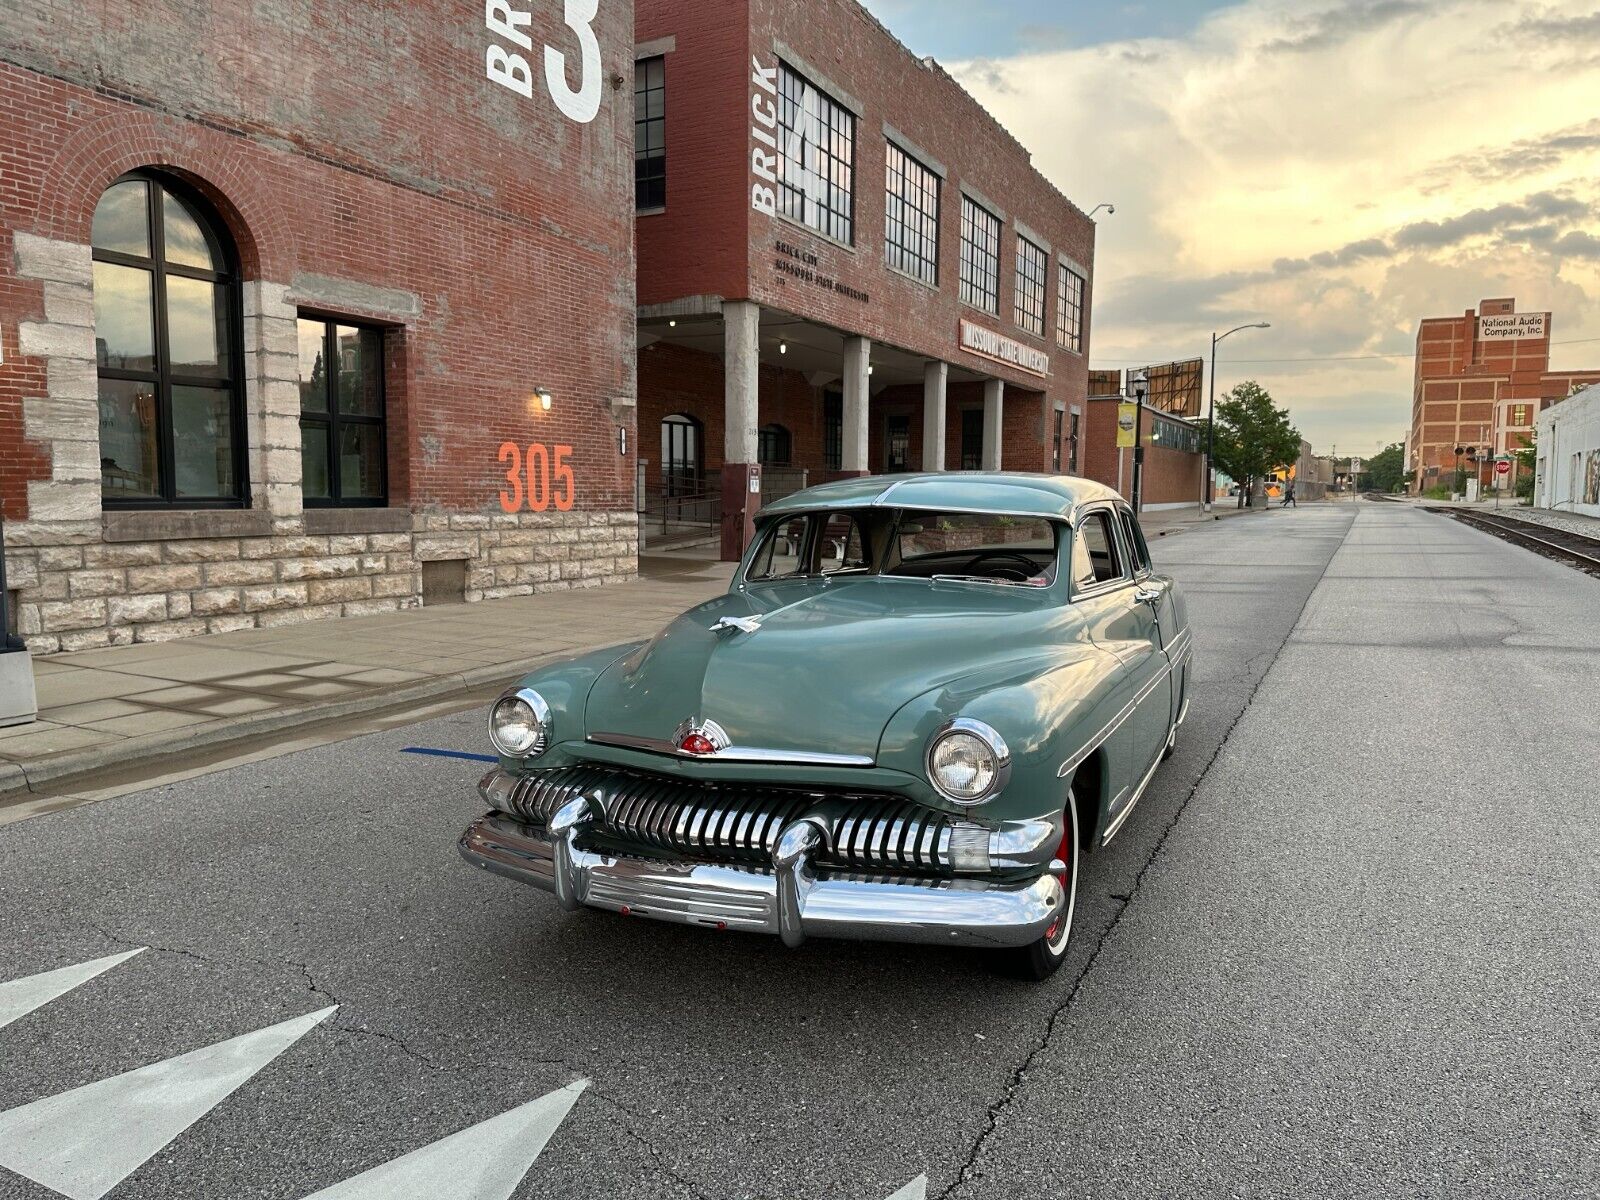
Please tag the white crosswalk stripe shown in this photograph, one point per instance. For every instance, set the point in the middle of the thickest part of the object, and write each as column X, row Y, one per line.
column 917, row 1189
column 19, row 997
column 482, row 1162
column 84, row 1142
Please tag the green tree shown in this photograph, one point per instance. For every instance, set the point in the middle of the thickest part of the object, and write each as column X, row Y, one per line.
column 1253, row 436
column 1386, row 470
column 1523, row 460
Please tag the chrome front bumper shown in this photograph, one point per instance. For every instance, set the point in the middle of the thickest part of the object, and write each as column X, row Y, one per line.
column 788, row 899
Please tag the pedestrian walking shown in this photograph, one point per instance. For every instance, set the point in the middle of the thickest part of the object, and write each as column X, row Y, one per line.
column 1288, row 497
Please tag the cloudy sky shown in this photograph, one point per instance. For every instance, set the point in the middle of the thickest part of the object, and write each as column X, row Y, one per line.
column 1340, row 168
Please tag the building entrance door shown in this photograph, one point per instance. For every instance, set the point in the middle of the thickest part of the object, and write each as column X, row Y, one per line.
column 680, row 455
column 896, row 443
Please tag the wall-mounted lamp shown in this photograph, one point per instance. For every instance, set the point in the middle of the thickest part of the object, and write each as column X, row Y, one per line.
column 870, row 370
column 672, row 324
column 542, row 395
column 622, row 440
column 783, row 347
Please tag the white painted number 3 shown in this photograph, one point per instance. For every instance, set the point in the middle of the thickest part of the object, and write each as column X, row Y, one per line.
column 510, row 69
column 583, row 104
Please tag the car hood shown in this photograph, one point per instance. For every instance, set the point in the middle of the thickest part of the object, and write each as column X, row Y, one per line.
column 828, row 666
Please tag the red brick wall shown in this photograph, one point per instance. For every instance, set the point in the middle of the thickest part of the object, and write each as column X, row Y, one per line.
column 708, row 162
column 363, row 145
column 1170, row 476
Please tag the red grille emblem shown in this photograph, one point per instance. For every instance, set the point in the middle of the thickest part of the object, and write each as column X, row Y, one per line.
column 700, row 738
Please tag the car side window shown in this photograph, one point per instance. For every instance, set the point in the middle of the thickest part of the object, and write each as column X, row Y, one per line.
column 1137, row 546
column 779, row 555
column 1096, row 559
column 842, row 545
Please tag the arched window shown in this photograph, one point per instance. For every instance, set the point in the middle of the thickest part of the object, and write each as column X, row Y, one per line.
column 773, row 446
column 680, row 455
column 166, row 316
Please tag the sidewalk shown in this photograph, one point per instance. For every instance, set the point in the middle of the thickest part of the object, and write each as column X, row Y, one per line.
column 119, row 707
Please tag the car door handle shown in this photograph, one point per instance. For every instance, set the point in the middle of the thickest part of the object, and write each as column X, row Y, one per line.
column 1147, row 595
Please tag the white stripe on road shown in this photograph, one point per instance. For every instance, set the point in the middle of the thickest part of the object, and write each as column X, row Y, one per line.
column 917, row 1189
column 482, row 1162
column 84, row 1142
column 20, row 997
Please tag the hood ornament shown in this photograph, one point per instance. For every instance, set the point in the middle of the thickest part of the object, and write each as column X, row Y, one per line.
column 700, row 738
column 735, row 624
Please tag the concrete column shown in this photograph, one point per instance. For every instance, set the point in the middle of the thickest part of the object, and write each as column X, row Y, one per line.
column 857, row 357
column 741, row 325
column 935, row 375
column 994, row 393
column 741, row 477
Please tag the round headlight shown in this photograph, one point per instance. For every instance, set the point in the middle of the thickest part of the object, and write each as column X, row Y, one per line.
column 968, row 761
column 519, row 723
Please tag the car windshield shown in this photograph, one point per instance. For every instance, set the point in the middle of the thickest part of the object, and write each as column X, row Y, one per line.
column 980, row 547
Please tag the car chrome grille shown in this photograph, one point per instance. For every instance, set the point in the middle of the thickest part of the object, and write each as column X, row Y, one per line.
column 742, row 822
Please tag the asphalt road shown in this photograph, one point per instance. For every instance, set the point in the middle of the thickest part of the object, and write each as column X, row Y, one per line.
column 1347, row 945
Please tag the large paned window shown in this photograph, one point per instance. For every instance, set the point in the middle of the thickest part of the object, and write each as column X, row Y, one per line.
column 650, row 133
column 816, row 157
column 980, row 256
column 911, row 217
column 1027, row 305
column 1069, row 309
column 166, row 315
column 342, row 434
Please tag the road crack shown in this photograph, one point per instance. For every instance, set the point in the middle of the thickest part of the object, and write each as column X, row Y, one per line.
column 650, row 1147
column 969, row 1171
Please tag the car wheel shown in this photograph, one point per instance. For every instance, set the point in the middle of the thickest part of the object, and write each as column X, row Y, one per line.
column 1039, row 960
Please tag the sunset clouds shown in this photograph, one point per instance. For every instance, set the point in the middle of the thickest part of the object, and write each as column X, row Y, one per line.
column 1339, row 169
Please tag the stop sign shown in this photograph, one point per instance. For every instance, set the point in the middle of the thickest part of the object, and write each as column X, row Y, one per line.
column 1502, row 468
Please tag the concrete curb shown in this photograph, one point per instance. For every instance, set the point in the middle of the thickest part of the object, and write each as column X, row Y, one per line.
column 57, row 770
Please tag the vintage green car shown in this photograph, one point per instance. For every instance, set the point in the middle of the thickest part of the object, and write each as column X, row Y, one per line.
column 920, row 702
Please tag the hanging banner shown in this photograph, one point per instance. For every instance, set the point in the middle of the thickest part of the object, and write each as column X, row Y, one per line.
column 1127, row 425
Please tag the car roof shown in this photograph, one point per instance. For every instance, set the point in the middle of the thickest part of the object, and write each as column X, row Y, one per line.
column 1011, row 492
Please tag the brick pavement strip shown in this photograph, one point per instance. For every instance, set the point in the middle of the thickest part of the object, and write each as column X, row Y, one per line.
column 127, row 705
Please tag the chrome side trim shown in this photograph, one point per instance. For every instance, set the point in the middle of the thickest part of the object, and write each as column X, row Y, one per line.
column 1181, row 645
column 1133, row 802
column 1183, row 713
column 746, row 754
column 1113, row 725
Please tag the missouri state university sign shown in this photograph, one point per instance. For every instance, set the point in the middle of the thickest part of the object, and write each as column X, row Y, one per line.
column 975, row 339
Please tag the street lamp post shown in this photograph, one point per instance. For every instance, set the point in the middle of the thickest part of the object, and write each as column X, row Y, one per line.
column 1211, row 408
column 1141, row 388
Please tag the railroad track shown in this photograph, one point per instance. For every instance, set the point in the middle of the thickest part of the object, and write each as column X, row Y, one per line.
column 1573, row 548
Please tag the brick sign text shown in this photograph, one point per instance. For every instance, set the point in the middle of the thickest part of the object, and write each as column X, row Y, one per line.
column 800, row 263
column 510, row 69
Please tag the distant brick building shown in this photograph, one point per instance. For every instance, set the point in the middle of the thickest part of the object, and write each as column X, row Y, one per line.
column 1480, row 382
column 309, row 310
column 845, row 264
column 1172, row 439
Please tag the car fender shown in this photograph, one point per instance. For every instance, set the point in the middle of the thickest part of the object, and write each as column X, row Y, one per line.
column 1047, row 710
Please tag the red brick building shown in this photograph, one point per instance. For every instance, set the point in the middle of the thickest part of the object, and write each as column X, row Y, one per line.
column 1172, row 438
column 846, row 265
column 1480, row 382
column 308, row 319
